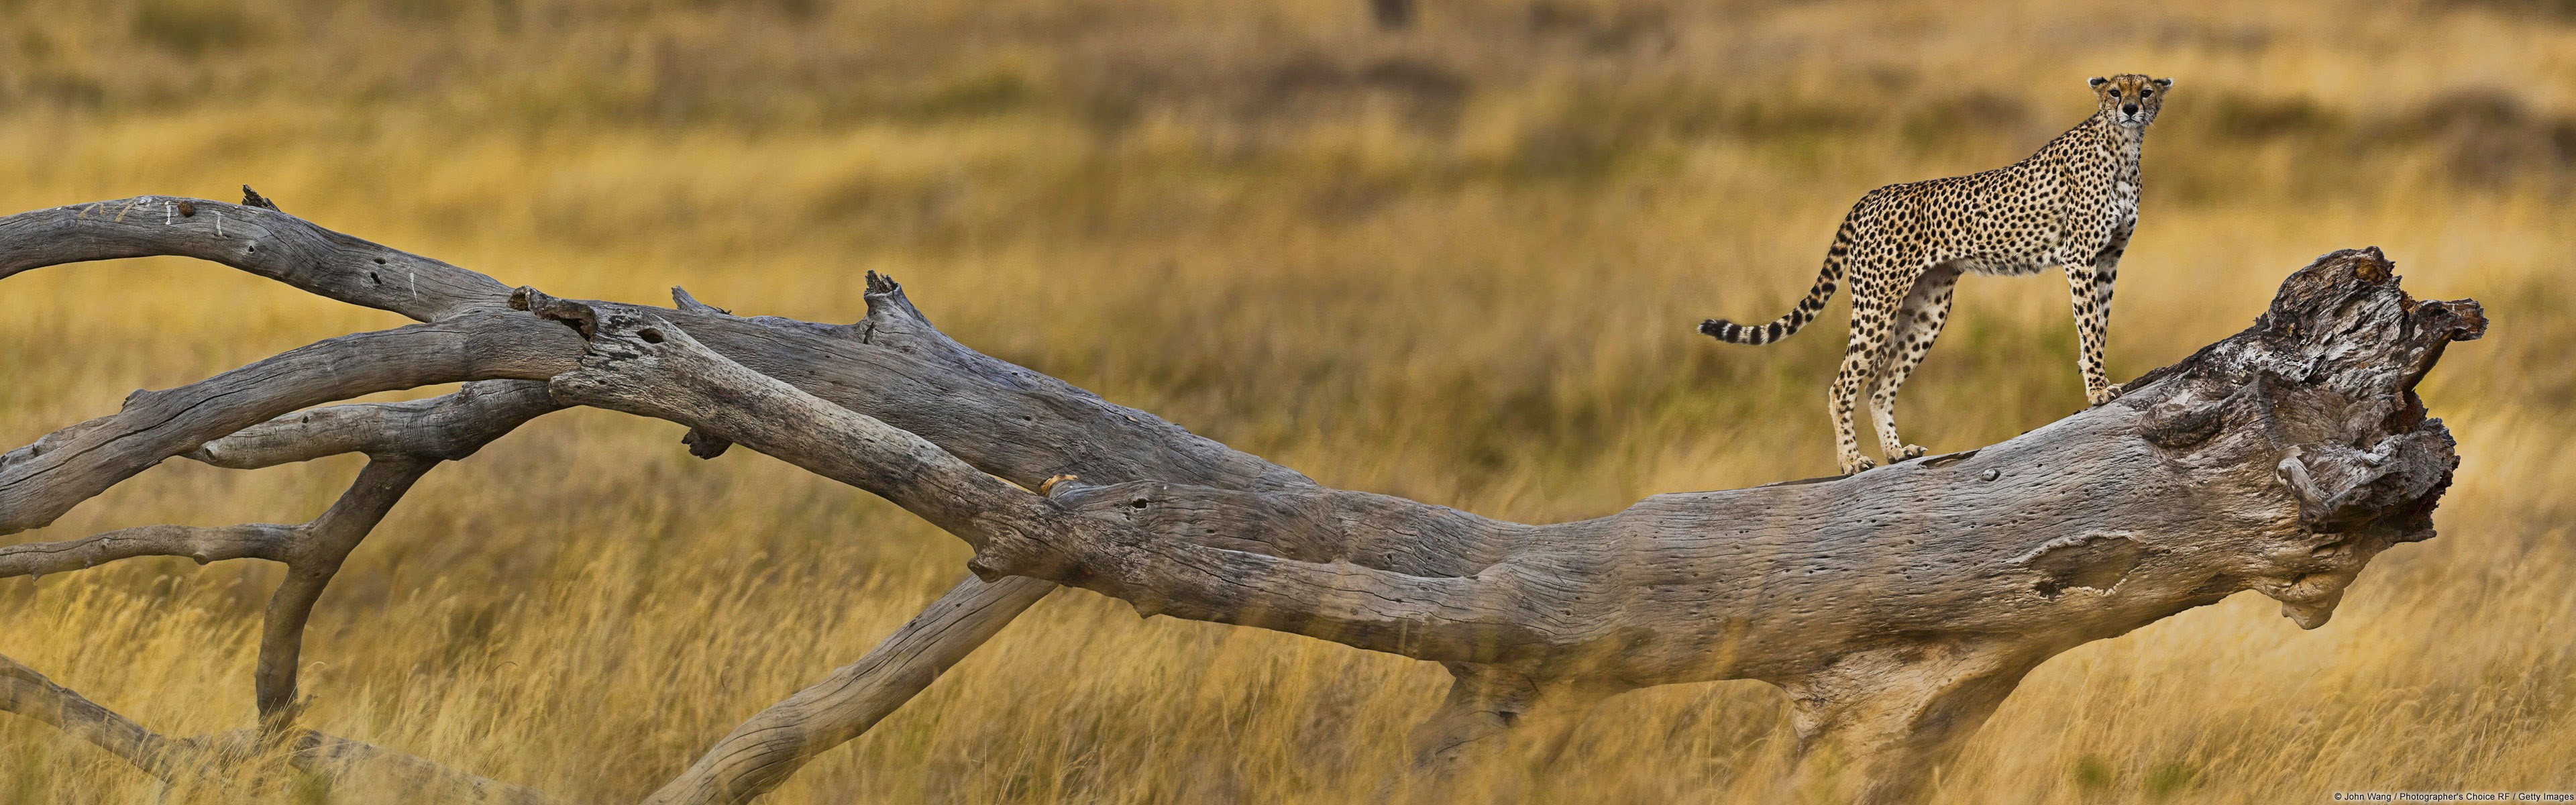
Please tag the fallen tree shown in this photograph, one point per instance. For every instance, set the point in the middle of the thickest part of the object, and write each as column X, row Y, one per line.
column 1896, row 607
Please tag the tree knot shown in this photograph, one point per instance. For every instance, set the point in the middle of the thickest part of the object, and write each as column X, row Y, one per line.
column 2096, row 562
column 580, row 317
column 705, row 445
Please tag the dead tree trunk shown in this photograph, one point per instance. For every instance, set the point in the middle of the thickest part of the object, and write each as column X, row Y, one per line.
column 1896, row 607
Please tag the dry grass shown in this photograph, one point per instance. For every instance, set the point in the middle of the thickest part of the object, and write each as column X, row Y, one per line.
column 1459, row 264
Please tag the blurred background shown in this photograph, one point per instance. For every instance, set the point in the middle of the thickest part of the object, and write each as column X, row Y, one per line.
column 1451, row 250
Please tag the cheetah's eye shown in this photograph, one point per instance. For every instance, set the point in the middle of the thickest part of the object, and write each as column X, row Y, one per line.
column 2145, row 92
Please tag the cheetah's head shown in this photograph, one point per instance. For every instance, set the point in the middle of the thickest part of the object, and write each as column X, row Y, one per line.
column 2130, row 99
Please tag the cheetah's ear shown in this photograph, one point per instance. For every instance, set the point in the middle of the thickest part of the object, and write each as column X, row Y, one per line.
column 2096, row 81
column 2164, row 82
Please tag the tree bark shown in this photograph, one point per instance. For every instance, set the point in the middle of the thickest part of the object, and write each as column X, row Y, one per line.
column 1896, row 607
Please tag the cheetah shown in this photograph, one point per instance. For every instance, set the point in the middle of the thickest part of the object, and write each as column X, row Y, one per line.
column 2070, row 206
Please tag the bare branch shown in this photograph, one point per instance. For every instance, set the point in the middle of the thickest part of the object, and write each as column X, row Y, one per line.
column 765, row 750
column 312, row 552
column 201, row 543
column 1143, row 541
column 324, row 544
column 1007, row 420
column 259, row 240
column 42, row 480
column 30, row 694
column 405, row 439
column 448, row 427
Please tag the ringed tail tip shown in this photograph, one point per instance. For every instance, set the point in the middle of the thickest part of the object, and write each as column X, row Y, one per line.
column 1734, row 333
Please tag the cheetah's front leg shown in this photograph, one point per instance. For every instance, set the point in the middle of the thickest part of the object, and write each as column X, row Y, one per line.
column 2090, row 288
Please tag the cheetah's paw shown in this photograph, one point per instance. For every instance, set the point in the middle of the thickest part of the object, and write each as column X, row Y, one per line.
column 2105, row 395
column 1855, row 464
column 1911, row 451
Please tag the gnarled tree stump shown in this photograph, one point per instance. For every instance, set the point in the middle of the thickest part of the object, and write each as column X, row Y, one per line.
column 1896, row 607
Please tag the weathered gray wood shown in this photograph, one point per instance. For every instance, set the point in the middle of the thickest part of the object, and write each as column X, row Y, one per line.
column 405, row 440
column 1896, row 607
column 322, row 546
column 259, row 240
column 202, row 543
column 449, row 427
column 40, row 481
column 30, row 694
column 1938, row 543
column 1012, row 422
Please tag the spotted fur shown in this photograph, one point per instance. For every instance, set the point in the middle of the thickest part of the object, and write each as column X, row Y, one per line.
column 2071, row 206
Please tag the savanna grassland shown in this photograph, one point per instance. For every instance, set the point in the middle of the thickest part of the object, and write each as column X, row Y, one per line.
column 1459, row 263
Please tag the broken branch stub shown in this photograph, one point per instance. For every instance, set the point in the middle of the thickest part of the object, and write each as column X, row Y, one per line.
column 1896, row 608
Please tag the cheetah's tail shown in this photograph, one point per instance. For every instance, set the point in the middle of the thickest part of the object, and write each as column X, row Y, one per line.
column 1797, row 317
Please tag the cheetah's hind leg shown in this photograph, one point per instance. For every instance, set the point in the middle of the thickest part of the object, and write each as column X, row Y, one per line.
column 1917, row 323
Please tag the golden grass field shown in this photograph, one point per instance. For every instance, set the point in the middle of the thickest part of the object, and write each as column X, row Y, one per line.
column 1459, row 263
